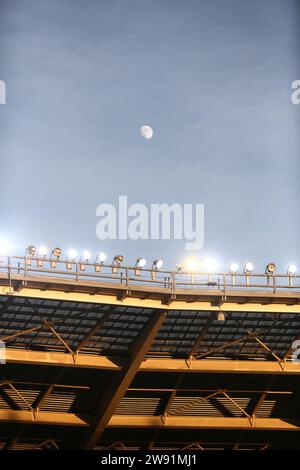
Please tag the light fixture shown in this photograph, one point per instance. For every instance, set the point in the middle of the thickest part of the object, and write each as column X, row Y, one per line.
column 221, row 316
column 72, row 255
column 118, row 259
column 292, row 269
column 30, row 250
column 140, row 263
column 248, row 268
column 86, row 255
column 233, row 268
column 270, row 268
column 55, row 253
column 157, row 264
column 43, row 251
column 101, row 257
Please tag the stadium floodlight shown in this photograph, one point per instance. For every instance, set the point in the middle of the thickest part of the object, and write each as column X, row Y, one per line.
column 72, row 255
column 43, row 251
column 292, row 269
column 140, row 263
column 84, row 259
column 55, row 255
column 86, row 256
column 248, row 268
column 56, row 252
column 270, row 268
column 102, row 257
column 233, row 268
column 157, row 264
column 118, row 259
column 30, row 250
column 221, row 316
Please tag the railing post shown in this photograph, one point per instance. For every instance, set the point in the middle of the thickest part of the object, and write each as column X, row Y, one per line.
column 25, row 269
column 9, row 272
column 173, row 278
column 274, row 284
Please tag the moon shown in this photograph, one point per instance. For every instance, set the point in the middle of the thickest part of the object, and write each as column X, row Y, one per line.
column 147, row 132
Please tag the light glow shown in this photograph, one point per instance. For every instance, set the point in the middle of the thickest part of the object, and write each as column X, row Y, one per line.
column 191, row 265
column 86, row 255
column 249, row 267
column 4, row 248
column 141, row 262
column 210, row 265
column 292, row 269
column 102, row 257
column 43, row 251
column 72, row 254
column 233, row 268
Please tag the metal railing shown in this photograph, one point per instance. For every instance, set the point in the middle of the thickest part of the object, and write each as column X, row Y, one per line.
column 26, row 268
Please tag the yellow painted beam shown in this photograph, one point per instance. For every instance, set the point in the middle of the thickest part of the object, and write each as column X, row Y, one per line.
column 271, row 424
column 222, row 366
column 54, row 418
column 21, row 356
column 229, row 305
column 110, row 399
column 135, row 421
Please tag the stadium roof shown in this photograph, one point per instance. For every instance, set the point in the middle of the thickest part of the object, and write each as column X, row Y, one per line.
column 89, row 367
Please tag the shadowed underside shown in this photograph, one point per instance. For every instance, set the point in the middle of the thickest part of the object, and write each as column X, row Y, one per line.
column 98, row 372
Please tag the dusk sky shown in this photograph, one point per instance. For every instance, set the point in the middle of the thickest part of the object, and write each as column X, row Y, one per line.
column 211, row 77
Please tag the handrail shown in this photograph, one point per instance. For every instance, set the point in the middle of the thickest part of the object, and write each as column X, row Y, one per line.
column 130, row 276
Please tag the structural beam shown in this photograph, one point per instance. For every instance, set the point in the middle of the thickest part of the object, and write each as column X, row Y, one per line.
column 53, row 418
column 226, row 366
column 202, row 334
column 245, row 300
column 133, row 421
column 47, row 392
column 271, row 424
column 121, row 381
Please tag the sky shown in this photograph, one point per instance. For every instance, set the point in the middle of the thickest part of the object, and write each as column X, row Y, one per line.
column 212, row 78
